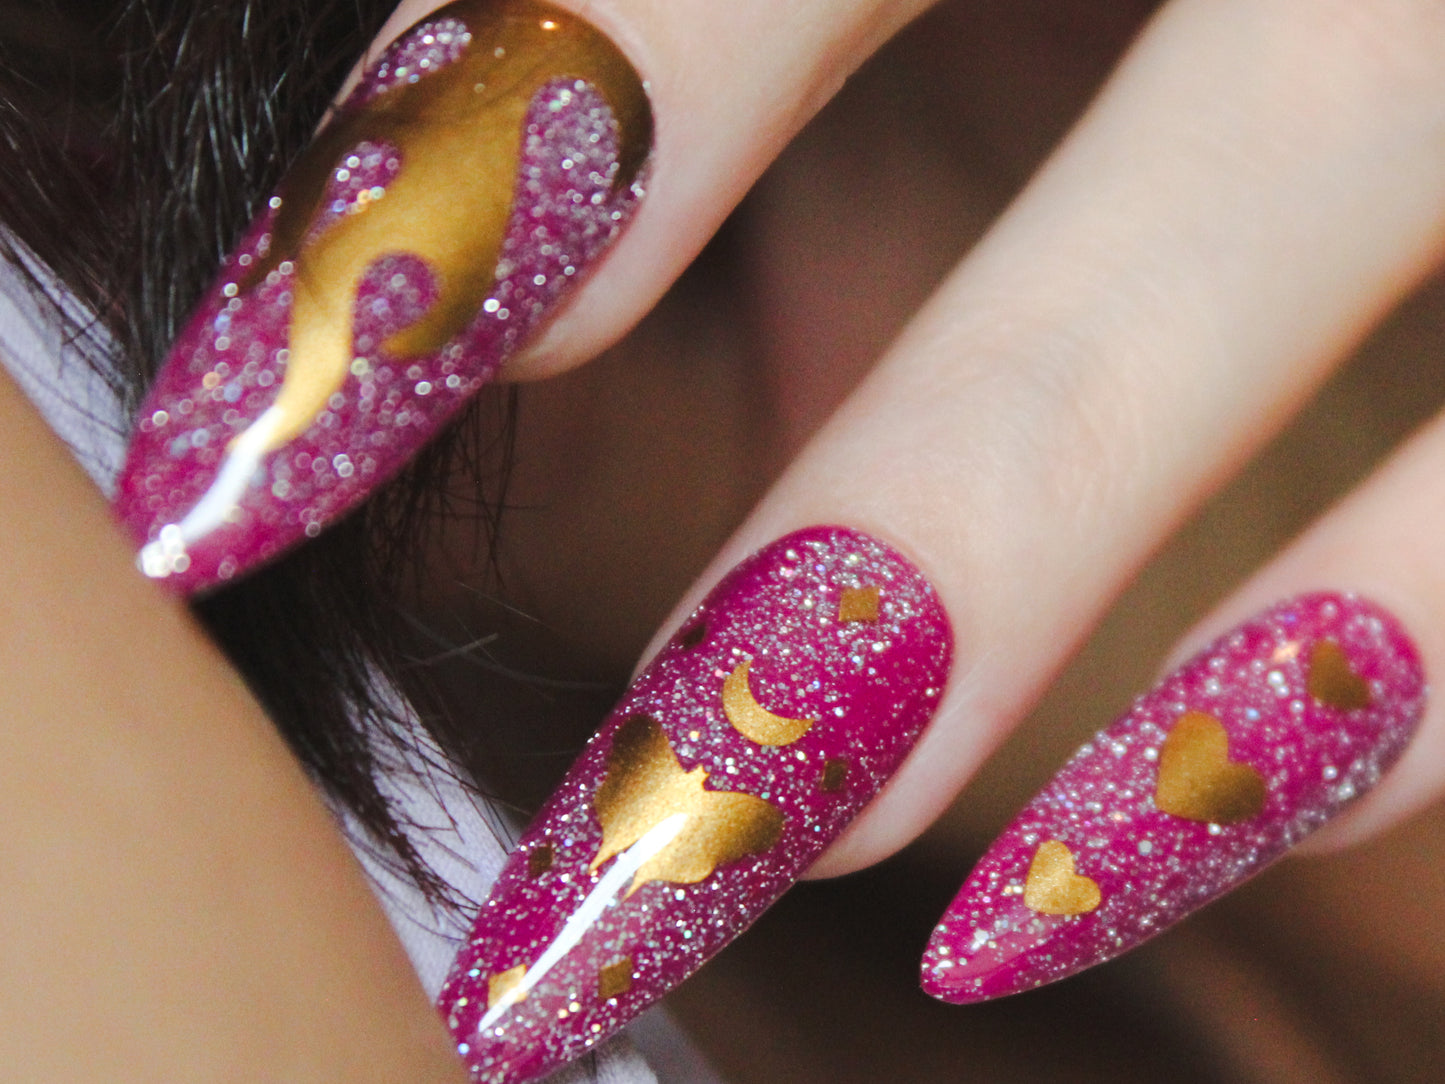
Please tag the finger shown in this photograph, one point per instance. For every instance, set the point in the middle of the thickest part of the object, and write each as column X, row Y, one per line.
column 1182, row 273
column 1377, row 543
column 1129, row 331
column 484, row 163
column 1307, row 707
column 186, row 877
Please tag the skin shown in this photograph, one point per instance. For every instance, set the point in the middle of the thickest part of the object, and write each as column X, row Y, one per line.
column 1259, row 182
column 1255, row 187
column 177, row 899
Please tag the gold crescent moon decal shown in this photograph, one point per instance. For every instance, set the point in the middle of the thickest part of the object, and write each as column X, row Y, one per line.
column 751, row 719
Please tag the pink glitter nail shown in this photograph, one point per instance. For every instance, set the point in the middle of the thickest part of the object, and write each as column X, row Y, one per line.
column 760, row 731
column 1233, row 759
column 481, row 168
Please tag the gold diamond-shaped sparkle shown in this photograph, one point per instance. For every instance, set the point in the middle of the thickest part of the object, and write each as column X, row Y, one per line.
column 503, row 985
column 858, row 604
column 615, row 979
column 834, row 774
column 540, row 860
column 1333, row 681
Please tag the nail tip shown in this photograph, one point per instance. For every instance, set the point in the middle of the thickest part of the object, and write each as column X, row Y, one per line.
column 933, row 978
column 952, row 993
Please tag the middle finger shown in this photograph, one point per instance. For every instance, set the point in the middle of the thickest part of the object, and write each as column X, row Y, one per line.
column 1255, row 186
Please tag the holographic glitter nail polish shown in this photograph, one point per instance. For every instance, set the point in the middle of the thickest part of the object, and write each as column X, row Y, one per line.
column 483, row 165
column 1234, row 758
column 764, row 727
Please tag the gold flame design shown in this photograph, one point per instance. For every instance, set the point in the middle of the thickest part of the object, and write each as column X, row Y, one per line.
column 459, row 132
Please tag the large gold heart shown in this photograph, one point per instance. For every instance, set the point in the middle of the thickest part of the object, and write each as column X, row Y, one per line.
column 1198, row 781
column 1053, row 888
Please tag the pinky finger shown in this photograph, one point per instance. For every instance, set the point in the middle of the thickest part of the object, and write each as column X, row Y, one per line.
column 1281, row 723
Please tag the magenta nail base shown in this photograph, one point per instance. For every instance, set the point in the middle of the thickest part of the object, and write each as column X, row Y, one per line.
column 831, row 651
column 232, row 360
column 1301, row 745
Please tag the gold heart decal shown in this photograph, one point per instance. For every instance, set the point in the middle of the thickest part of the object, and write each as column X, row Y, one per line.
column 1333, row 681
column 1053, row 888
column 1198, row 781
column 645, row 785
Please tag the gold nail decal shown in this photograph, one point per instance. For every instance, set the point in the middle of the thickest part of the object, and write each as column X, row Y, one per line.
column 1333, row 681
column 645, row 785
column 858, row 604
column 503, row 986
column 1052, row 886
column 834, row 774
column 1198, row 781
column 485, row 162
column 615, row 979
column 540, row 860
column 676, row 828
column 458, row 136
column 751, row 719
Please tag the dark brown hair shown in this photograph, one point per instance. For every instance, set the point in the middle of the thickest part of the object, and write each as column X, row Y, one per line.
column 137, row 139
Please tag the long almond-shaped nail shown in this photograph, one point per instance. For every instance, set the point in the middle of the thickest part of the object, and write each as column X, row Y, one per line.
column 1238, row 755
column 484, row 163
column 767, row 723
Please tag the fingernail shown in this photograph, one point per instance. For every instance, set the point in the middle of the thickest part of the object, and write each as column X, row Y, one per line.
column 480, row 169
column 768, row 722
column 1237, row 756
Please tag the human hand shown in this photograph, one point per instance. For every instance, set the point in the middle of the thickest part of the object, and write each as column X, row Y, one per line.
column 1099, row 504
column 1255, row 187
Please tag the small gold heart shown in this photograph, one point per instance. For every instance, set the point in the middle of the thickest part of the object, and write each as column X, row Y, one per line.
column 1053, row 888
column 1333, row 681
column 1198, row 781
